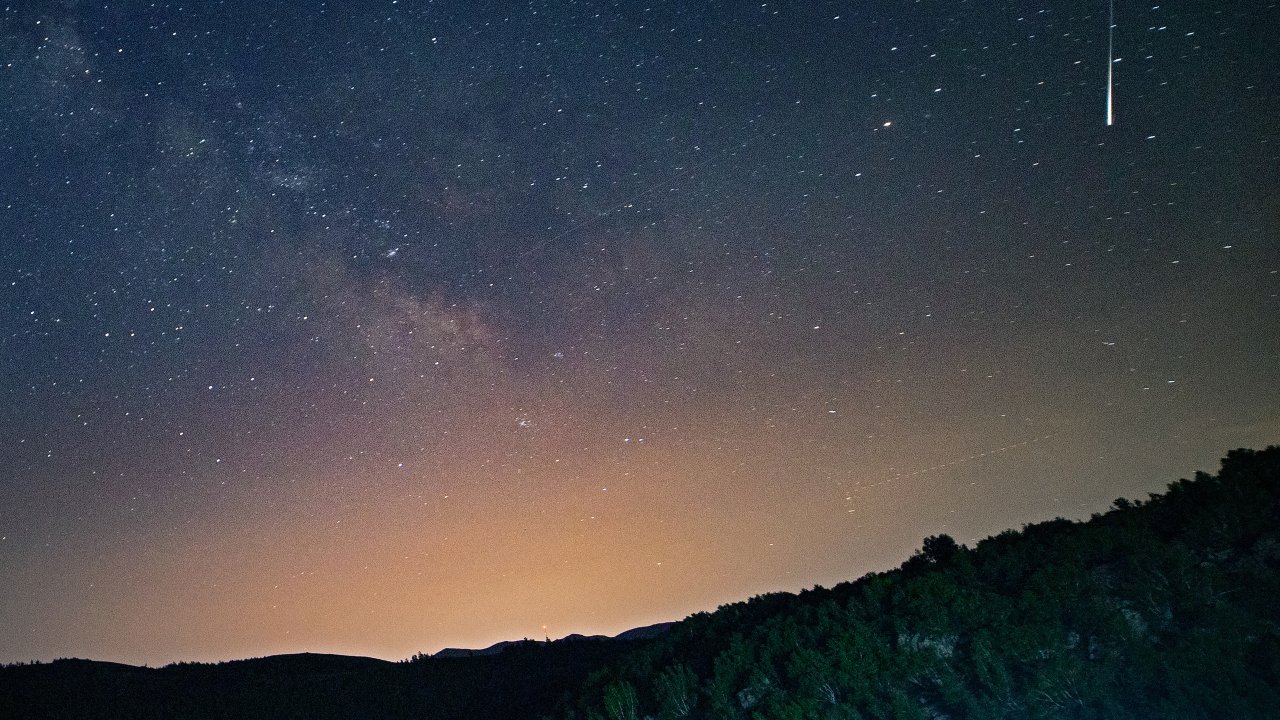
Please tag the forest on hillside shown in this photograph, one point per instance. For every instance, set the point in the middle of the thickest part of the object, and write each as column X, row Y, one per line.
column 1161, row 608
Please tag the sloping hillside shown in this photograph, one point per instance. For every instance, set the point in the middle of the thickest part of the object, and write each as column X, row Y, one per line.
column 1166, row 608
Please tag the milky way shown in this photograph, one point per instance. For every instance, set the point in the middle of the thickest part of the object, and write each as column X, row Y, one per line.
column 393, row 326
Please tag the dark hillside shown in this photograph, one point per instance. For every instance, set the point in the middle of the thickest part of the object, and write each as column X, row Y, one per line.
column 525, row 680
column 1166, row 608
column 1163, row 608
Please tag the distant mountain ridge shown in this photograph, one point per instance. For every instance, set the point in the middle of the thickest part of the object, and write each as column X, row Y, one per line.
column 509, row 680
column 641, row 633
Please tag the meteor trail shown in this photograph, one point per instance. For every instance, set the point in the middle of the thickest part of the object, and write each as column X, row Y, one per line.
column 1111, row 60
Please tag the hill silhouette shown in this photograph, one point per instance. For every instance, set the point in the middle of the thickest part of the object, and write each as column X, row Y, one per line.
column 521, row 679
column 1163, row 608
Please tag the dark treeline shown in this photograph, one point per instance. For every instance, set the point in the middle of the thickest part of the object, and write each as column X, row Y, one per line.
column 1166, row 608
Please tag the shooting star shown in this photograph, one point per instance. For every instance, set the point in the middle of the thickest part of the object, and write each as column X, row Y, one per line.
column 1111, row 60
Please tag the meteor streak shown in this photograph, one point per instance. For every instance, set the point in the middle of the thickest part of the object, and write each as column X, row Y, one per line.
column 1111, row 59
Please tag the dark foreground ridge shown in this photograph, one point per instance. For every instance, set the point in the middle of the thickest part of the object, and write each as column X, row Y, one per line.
column 1165, row 608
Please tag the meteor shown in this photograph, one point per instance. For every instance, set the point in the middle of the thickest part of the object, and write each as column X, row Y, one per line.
column 1111, row 60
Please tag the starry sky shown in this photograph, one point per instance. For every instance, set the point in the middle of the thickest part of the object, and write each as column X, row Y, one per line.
column 379, row 327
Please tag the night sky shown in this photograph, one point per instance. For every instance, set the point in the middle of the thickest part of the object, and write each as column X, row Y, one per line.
column 380, row 327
